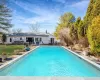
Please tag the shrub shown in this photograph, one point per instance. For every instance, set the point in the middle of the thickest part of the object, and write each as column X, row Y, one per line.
column 65, row 37
column 93, row 35
column 84, row 42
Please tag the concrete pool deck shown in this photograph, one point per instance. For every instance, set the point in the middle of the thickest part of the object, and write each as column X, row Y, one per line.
column 49, row 78
column 84, row 58
column 15, row 59
column 19, row 57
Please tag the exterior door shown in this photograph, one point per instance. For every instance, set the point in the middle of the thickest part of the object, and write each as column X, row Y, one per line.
column 52, row 40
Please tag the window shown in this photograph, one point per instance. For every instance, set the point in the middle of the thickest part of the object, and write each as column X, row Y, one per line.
column 36, row 39
column 40, row 39
column 20, row 38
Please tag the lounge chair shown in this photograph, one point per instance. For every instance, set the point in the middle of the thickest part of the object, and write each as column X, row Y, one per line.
column 27, row 49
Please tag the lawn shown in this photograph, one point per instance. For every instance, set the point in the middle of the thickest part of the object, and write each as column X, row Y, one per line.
column 9, row 49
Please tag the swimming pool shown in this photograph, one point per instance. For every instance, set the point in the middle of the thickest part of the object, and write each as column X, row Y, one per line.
column 51, row 61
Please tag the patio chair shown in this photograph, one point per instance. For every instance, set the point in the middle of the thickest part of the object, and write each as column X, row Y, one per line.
column 27, row 49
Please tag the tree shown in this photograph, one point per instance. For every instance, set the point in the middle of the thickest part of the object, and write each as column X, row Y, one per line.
column 17, row 30
column 84, row 42
column 4, row 37
column 5, row 17
column 96, row 11
column 94, row 35
column 34, row 27
column 73, row 33
column 89, row 14
column 66, row 20
column 65, row 37
column 0, row 37
column 81, row 29
column 74, row 29
column 77, row 22
column 56, row 33
column 92, row 11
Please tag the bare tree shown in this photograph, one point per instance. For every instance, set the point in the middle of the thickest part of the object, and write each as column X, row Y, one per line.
column 17, row 30
column 34, row 27
column 65, row 37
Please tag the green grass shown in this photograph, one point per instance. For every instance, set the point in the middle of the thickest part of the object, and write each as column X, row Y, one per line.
column 9, row 49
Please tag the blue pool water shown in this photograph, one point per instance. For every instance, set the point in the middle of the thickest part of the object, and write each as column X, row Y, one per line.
column 51, row 61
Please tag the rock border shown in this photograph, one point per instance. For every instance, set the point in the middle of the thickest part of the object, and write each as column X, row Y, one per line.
column 83, row 58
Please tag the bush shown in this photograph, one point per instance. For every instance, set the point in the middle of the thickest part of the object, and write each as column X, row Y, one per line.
column 65, row 37
column 84, row 42
column 93, row 35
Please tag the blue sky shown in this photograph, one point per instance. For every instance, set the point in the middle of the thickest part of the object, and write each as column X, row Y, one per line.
column 44, row 12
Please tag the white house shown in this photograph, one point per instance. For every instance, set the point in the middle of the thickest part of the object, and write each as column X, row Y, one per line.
column 32, row 38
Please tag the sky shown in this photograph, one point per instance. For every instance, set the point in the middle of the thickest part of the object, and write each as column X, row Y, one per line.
column 46, row 13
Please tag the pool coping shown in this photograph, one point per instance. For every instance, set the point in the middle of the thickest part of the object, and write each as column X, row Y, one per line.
column 85, row 59
column 26, row 53
column 17, row 58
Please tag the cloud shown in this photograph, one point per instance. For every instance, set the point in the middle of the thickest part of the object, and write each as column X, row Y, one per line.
column 82, row 5
column 42, row 19
column 60, row 1
column 44, row 15
column 17, row 18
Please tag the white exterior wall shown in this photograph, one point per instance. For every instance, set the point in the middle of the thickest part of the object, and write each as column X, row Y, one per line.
column 15, row 39
column 51, row 37
column 8, row 40
column 45, row 40
column 18, row 39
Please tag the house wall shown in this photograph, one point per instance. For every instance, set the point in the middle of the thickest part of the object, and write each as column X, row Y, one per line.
column 45, row 40
column 8, row 40
column 51, row 36
column 15, row 39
